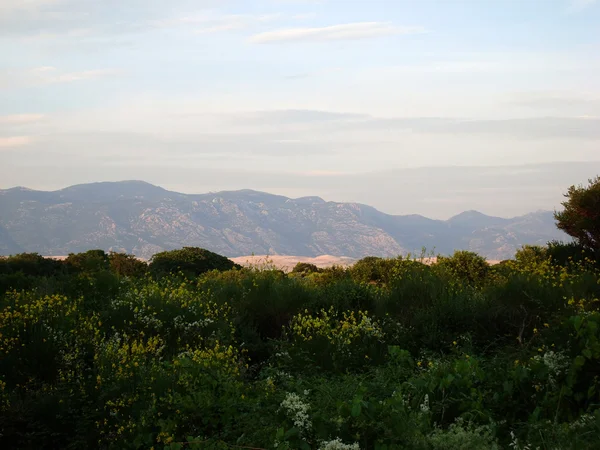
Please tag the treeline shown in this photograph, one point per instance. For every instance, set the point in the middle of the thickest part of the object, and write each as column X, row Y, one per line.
column 31, row 270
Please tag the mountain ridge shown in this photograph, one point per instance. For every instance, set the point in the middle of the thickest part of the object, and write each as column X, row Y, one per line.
column 141, row 218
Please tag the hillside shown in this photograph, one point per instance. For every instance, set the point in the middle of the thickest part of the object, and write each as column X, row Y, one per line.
column 142, row 219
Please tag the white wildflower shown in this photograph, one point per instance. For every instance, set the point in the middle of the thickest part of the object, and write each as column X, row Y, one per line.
column 425, row 405
column 297, row 411
column 584, row 421
column 556, row 362
column 337, row 444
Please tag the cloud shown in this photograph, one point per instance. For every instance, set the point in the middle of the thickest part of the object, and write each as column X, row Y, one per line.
column 19, row 6
column 524, row 128
column 218, row 21
column 290, row 116
column 107, row 18
column 321, row 124
column 316, row 73
column 33, row 17
column 46, row 75
column 215, row 22
column 67, row 77
column 128, row 147
column 323, row 173
column 304, row 16
column 359, row 30
column 580, row 5
column 15, row 141
column 17, row 119
column 588, row 104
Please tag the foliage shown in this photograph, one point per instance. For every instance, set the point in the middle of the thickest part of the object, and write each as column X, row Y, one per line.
column 305, row 268
column 464, row 266
column 580, row 217
column 389, row 354
column 124, row 265
column 90, row 261
column 191, row 261
column 374, row 270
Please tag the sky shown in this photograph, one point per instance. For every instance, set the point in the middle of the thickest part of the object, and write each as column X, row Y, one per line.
column 426, row 107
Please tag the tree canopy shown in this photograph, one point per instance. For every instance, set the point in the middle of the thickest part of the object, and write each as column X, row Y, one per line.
column 581, row 215
column 191, row 261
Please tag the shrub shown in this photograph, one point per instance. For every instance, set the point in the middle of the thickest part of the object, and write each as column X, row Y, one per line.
column 124, row 265
column 375, row 270
column 305, row 268
column 88, row 262
column 464, row 266
column 32, row 264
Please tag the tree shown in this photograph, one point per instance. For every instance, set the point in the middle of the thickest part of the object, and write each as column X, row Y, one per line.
column 192, row 261
column 124, row 265
column 32, row 264
column 88, row 262
column 305, row 268
column 465, row 266
column 373, row 269
column 581, row 215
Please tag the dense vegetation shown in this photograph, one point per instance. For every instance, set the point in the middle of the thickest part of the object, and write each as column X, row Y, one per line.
column 104, row 351
column 391, row 353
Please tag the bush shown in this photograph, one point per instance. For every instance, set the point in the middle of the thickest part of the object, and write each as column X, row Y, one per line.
column 465, row 267
column 305, row 268
column 88, row 262
column 375, row 270
column 124, row 265
column 32, row 264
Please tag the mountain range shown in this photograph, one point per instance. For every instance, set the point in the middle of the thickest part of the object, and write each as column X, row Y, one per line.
column 143, row 219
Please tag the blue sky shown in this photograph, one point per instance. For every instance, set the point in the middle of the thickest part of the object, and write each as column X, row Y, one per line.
column 331, row 98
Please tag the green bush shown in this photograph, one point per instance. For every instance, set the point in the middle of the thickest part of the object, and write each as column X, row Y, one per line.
column 464, row 267
column 124, row 265
column 88, row 262
column 305, row 268
column 375, row 270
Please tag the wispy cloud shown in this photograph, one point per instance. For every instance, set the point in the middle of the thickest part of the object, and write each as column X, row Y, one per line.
column 358, row 30
column 326, row 71
column 15, row 141
column 214, row 23
column 557, row 100
column 67, row 77
column 323, row 173
column 579, row 5
column 17, row 119
column 13, row 6
column 47, row 75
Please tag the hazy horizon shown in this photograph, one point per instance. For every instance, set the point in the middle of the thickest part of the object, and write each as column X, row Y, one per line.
column 412, row 107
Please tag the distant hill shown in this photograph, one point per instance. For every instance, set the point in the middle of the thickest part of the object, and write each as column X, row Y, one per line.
column 143, row 219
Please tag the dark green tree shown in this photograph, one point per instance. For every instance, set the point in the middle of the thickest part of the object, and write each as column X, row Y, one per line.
column 88, row 262
column 305, row 268
column 581, row 215
column 191, row 261
column 464, row 266
column 124, row 265
column 32, row 264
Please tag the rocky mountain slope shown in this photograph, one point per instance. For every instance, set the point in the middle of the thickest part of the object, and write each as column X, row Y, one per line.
column 143, row 219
